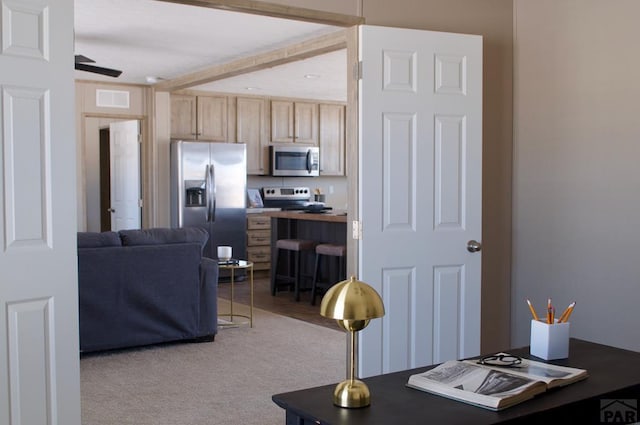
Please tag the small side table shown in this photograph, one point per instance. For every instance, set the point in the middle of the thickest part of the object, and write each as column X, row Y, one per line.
column 233, row 265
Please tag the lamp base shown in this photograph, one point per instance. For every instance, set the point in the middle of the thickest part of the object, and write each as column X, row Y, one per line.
column 352, row 394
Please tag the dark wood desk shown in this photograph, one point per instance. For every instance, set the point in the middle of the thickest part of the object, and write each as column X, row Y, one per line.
column 613, row 374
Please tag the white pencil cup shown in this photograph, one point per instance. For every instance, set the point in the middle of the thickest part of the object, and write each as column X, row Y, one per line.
column 224, row 253
column 549, row 342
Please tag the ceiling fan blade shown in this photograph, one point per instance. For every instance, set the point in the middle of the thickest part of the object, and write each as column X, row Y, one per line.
column 98, row 70
column 83, row 59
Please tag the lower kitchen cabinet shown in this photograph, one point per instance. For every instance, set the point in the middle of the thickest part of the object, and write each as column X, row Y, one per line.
column 259, row 242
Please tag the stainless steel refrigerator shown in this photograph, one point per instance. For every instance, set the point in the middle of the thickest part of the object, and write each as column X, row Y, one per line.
column 208, row 190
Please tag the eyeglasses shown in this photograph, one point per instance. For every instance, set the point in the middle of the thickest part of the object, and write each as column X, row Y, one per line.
column 502, row 360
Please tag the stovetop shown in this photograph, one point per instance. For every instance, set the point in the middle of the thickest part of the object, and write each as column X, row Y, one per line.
column 291, row 199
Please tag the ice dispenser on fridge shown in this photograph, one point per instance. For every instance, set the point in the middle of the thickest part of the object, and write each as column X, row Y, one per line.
column 195, row 195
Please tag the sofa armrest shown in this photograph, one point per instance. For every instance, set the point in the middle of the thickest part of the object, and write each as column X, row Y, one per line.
column 208, row 296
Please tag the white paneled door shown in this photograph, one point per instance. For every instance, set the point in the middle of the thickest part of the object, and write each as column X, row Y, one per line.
column 420, row 195
column 39, row 364
column 124, row 149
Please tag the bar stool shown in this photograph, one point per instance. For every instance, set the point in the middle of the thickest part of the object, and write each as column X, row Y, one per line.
column 295, row 246
column 331, row 250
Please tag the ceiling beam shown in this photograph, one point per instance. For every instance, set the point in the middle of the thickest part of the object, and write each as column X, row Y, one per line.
column 276, row 10
column 299, row 51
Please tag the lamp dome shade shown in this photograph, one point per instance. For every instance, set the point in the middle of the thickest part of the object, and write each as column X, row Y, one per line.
column 352, row 300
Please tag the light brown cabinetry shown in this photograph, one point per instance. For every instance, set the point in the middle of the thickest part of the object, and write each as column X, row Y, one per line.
column 294, row 122
column 259, row 241
column 251, row 129
column 259, row 121
column 199, row 117
column 332, row 139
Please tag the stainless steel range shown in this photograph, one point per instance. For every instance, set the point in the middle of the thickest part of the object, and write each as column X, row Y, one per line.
column 287, row 198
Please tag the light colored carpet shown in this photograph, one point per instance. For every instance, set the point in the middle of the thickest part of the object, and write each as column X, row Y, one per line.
column 229, row 381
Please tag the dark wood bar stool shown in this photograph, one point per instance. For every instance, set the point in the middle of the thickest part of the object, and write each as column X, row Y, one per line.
column 297, row 247
column 331, row 250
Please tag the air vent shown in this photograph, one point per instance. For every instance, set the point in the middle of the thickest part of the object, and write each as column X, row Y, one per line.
column 112, row 99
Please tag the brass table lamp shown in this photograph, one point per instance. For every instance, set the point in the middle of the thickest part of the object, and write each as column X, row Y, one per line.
column 352, row 303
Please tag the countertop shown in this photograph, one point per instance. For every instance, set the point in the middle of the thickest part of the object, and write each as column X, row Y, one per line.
column 261, row 210
column 332, row 216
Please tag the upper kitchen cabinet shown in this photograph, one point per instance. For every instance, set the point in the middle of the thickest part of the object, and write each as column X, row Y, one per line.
column 294, row 122
column 199, row 117
column 251, row 129
column 332, row 140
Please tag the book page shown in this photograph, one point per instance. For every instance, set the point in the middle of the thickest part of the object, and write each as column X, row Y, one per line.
column 551, row 374
column 468, row 377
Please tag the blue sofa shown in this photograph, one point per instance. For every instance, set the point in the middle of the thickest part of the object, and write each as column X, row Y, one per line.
column 140, row 287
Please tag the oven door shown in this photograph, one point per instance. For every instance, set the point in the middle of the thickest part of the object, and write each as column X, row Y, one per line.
column 295, row 161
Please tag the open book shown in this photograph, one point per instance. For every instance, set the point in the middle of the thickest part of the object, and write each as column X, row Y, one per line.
column 493, row 387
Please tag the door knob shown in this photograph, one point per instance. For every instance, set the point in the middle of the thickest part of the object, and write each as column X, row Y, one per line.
column 111, row 210
column 474, row 246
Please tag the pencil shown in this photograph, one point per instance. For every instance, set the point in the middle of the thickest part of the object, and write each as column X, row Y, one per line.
column 549, row 313
column 567, row 312
column 533, row 311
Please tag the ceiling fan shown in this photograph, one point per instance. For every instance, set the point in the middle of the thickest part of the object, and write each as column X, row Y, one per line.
column 81, row 64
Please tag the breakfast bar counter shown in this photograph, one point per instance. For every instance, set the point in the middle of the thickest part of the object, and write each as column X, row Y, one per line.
column 327, row 216
column 328, row 227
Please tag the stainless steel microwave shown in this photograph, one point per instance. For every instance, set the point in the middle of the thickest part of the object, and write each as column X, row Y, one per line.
column 295, row 161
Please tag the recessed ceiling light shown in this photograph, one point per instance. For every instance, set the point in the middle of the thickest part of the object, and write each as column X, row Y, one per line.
column 311, row 76
column 151, row 79
column 252, row 88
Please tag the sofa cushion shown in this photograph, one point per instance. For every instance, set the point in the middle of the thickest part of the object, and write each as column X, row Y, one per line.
column 164, row 236
column 98, row 240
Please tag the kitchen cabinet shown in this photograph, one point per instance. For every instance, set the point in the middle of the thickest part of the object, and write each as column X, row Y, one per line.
column 332, row 139
column 294, row 122
column 251, row 129
column 259, row 241
column 201, row 117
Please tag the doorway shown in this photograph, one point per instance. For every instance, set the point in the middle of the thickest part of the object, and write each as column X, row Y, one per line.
column 105, row 180
column 112, row 174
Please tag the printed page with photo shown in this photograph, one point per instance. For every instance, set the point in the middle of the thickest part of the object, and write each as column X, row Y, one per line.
column 552, row 375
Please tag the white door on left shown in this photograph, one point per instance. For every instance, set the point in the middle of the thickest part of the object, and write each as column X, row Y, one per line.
column 124, row 147
column 39, row 362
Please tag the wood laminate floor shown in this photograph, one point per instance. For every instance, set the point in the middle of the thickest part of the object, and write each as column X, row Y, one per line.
column 282, row 303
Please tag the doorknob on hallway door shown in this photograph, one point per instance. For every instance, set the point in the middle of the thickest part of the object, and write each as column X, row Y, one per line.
column 474, row 246
column 111, row 210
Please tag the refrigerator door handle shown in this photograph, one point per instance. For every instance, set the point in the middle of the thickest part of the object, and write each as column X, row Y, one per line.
column 212, row 180
column 207, row 191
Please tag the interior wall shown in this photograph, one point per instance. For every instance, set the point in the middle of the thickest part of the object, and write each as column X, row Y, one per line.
column 576, row 179
column 493, row 19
